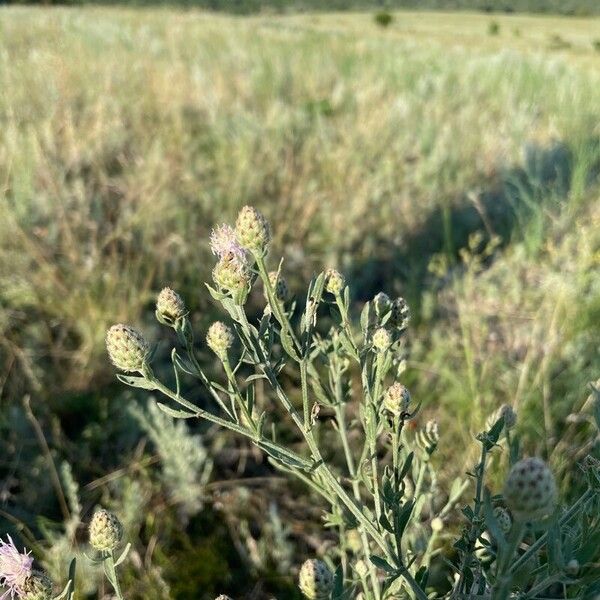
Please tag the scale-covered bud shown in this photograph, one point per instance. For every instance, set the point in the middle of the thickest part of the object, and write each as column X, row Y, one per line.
column 170, row 306
column 37, row 586
column 316, row 580
column 232, row 274
column 127, row 348
column 279, row 284
column 396, row 399
column 530, row 490
column 105, row 531
column 334, row 282
column 503, row 518
column 219, row 338
column 253, row 230
column 506, row 411
column 382, row 340
column 400, row 315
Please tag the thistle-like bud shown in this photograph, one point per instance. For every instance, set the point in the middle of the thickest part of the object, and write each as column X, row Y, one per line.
column 37, row 586
column 504, row 519
column 396, row 399
column 334, row 282
column 530, row 490
column 506, row 411
column 127, row 348
column 219, row 339
column 253, row 230
column 382, row 304
column 231, row 274
column 316, row 580
column 279, row 284
column 382, row 340
column 105, row 531
column 400, row 313
column 427, row 438
column 169, row 306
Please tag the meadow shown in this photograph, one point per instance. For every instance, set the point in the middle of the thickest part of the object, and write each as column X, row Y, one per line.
column 451, row 158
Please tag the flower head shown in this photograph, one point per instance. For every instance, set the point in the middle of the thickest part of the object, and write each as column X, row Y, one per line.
column 232, row 274
column 224, row 243
column 38, row 586
column 105, row 530
column 127, row 348
column 334, row 281
column 316, row 580
column 15, row 569
column 253, row 230
column 219, row 339
column 382, row 340
column 396, row 399
column 400, row 313
column 169, row 306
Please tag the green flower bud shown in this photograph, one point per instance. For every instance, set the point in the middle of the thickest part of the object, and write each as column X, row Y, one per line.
column 503, row 518
column 105, row 531
column 396, row 399
column 127, row 348
column 253, row 230
column 382, row 340
column 316, row 580
column 280, row 286
column 400, row 314
column 37, row 586
column 530, row 490
column 219, row 339
column 334, row 281
column 231, row 274
column 169, row 306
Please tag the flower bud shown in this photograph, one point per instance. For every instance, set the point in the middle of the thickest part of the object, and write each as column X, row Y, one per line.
column 437, row 524
column 530, row 490
column 400, row 313
column 279, row 284
column 382, row 304
column 253, row 230
column 334, row 281
column 169, row 306
column 382, row 340
column 572, row 567
column 127, row 348
column 506, row 411
column 503, row 518
column 316, row 580
column 231, row 274
column 105, row 531
column 396, row 399
column 37, row 586
column 219, row 339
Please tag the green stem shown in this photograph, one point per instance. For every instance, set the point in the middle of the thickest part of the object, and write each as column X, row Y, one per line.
column 111, row 574
column 235, row 390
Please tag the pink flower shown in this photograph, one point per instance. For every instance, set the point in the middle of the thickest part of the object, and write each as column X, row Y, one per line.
column 224, row 244
column 15, row 568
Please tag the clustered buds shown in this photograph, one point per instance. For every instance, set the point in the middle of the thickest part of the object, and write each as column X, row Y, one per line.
column 280, row 286
column 253, row 230
column 316, row 580
column 530, row 490
column 503, row 518
column 396, row 399
column 127, row 348
column 334, row 282
column 219, row 339
column 170, row 307
column 400, row 313
column 105, row 531
column 382, row 339
column 38, row 586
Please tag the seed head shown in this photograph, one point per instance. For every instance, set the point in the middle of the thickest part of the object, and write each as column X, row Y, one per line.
column 253, row 230
column 15, row 568
column 219, row 339
column 105, row 530
column 382, row 340
column 400, row 313
column 316, row 580
column 127, row 348
column 530, row 490
column 170, row 306
column 334, row 281
column 382, row 304
column 503, row 518
column 38, row 586
column 396, row 399
column 280, row 285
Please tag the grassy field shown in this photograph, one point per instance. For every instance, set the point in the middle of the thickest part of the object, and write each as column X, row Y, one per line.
column 451, row 158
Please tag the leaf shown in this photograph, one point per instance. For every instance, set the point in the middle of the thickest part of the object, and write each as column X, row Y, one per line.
column 406, row 466
column 402, row 517
column 382, row 564
column 137, row 382
column 175, row 413
column 123, row 555
column 491, row 522
column 383, row 521
column 338, row 584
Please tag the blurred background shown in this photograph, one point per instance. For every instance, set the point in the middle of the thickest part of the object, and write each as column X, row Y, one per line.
column 449, row 155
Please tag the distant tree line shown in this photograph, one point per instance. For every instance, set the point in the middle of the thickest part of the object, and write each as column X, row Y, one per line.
column 564, row 7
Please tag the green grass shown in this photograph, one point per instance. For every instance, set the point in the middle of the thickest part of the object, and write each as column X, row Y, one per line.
column 126, row 135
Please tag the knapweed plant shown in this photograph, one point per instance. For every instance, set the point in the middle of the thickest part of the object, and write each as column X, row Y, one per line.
column 383, row 496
